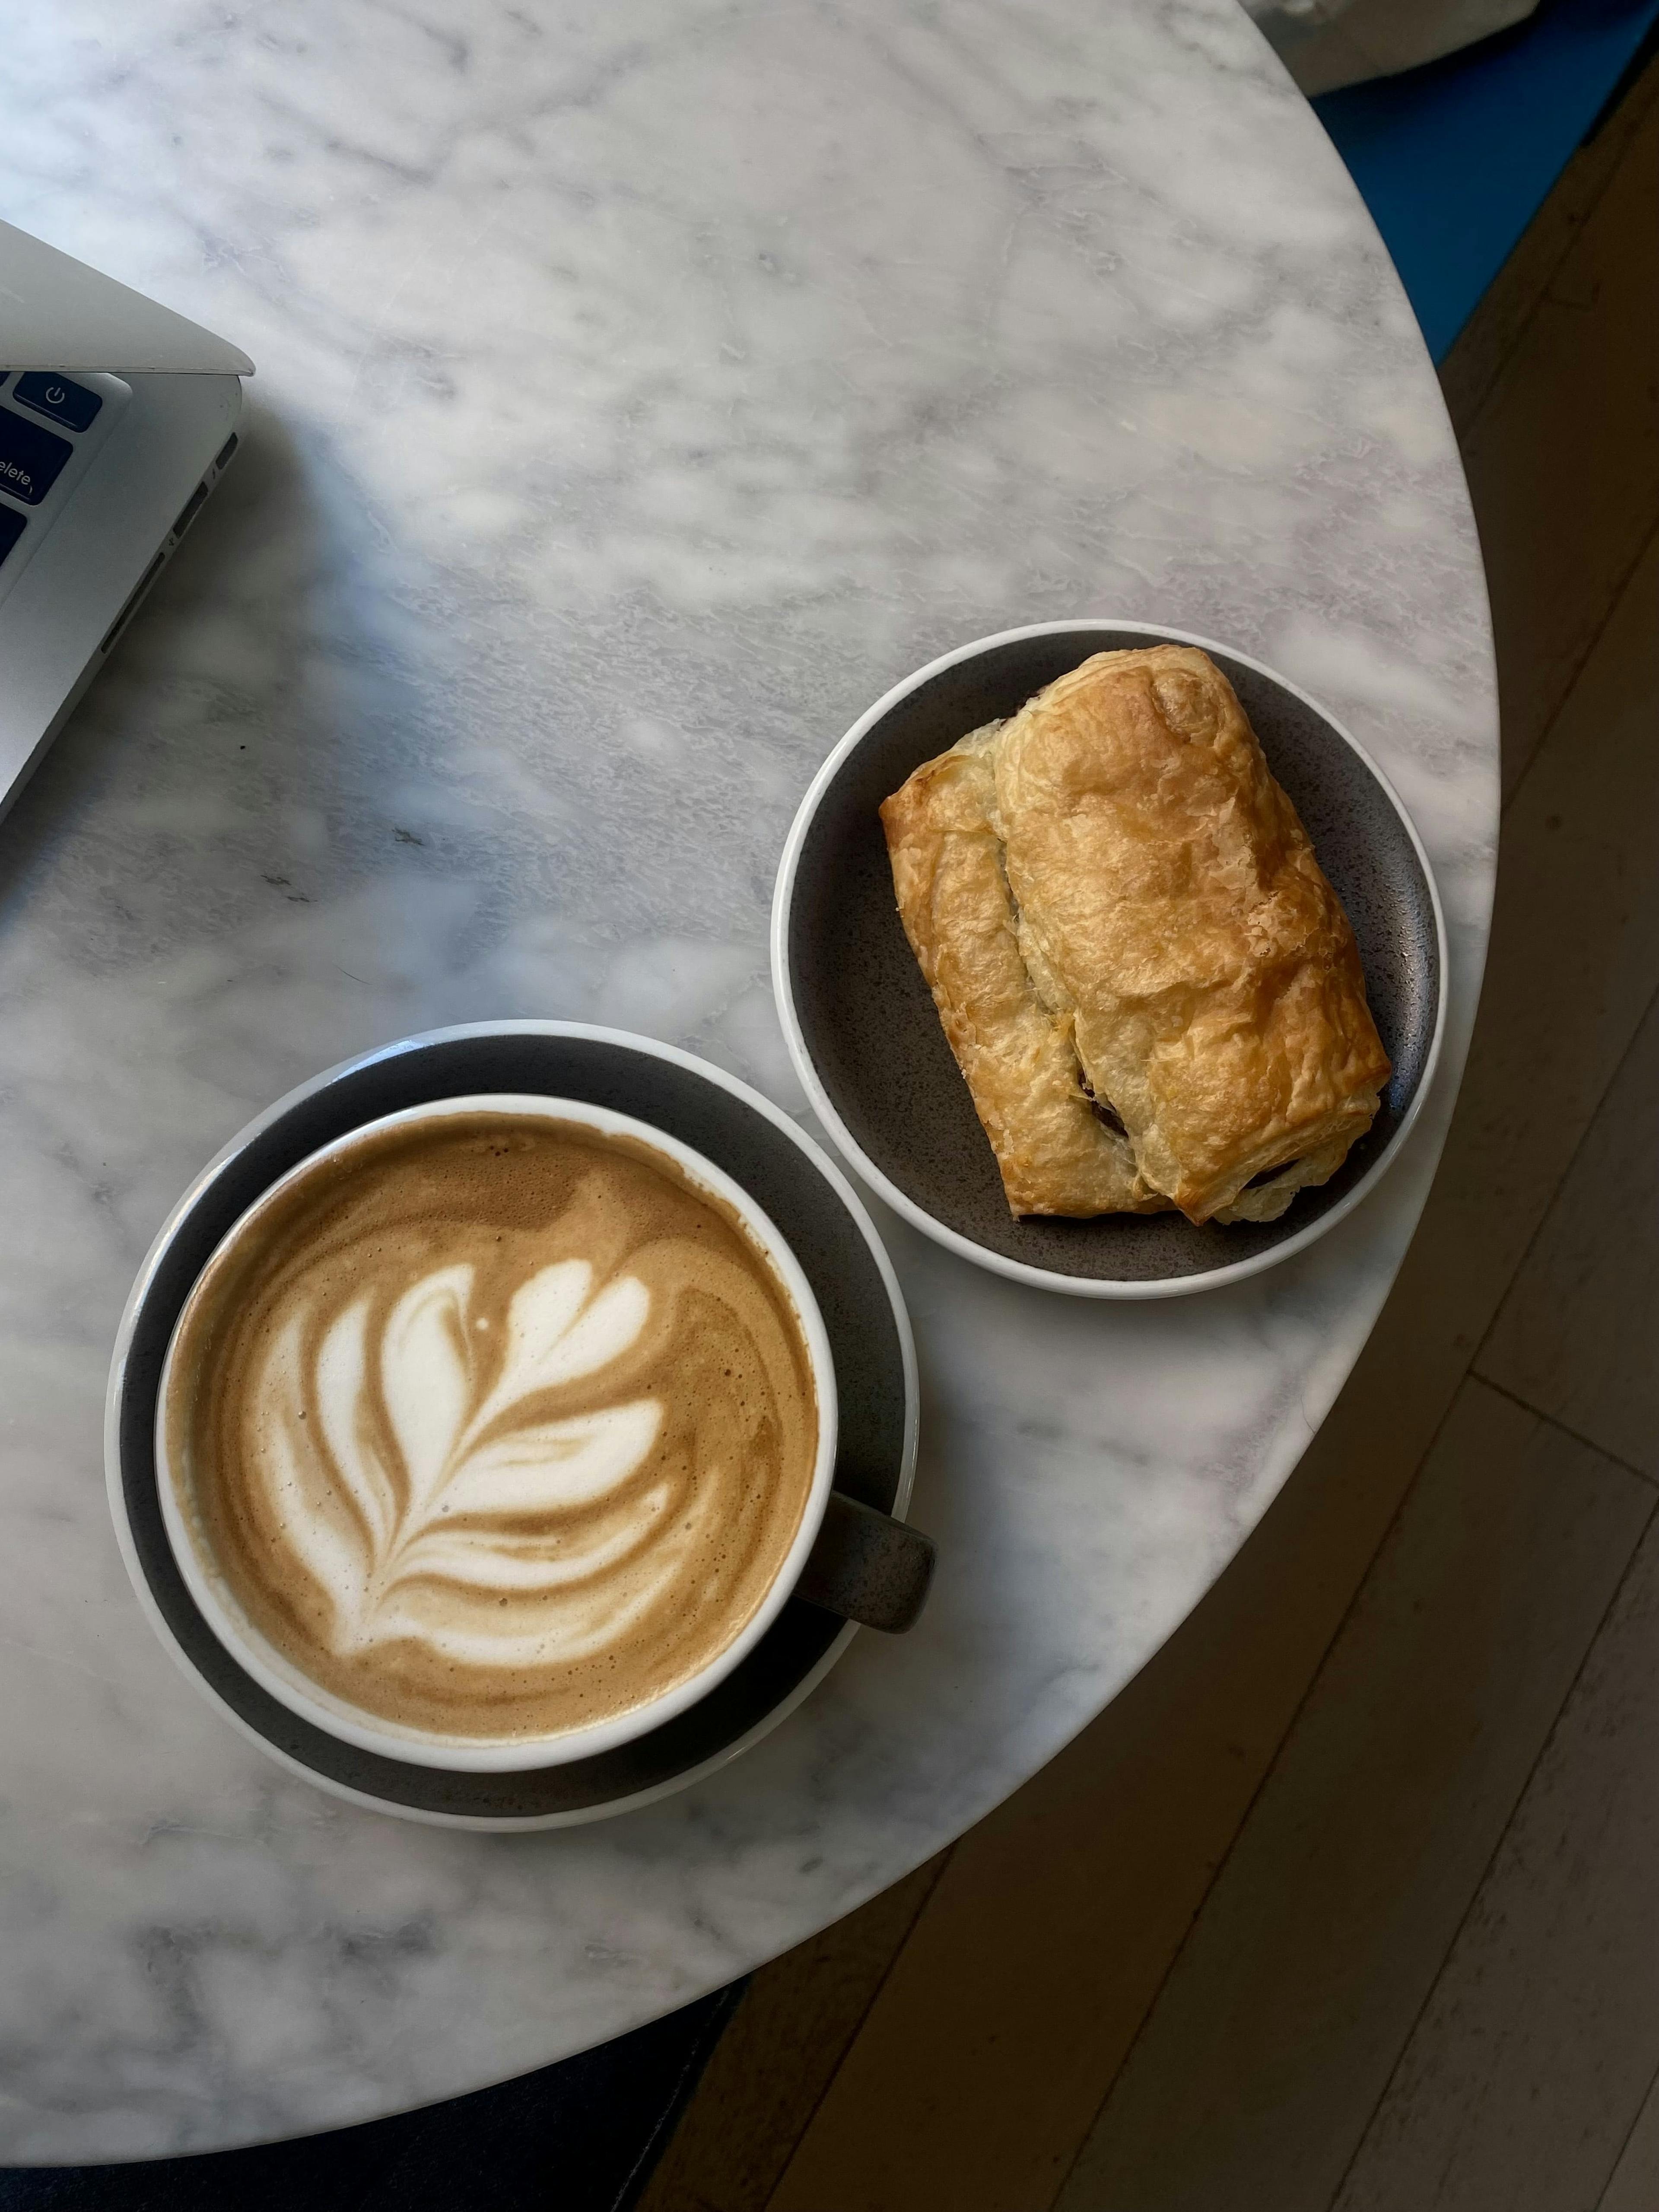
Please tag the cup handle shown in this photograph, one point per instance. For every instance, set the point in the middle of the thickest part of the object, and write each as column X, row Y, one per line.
column 867, row 1567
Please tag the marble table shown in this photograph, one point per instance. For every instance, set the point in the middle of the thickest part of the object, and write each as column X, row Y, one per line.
column 643, row 387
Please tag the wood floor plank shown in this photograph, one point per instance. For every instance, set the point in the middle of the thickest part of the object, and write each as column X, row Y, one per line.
column 1489, row 338
column 1579, row 1334
column 1574, row 963
column 775, row 2059
column 1253, row 2080
column 1635, row 2183
column 1563, row 457
column 1533, row 2056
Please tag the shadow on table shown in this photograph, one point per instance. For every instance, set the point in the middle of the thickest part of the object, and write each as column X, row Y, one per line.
column 583, row 2135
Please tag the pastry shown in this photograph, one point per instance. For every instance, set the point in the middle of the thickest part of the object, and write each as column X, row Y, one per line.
column 1151, row 987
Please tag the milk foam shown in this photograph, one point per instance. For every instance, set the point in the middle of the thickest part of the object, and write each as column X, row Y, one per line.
column 494, row 1435
column 471, row 1466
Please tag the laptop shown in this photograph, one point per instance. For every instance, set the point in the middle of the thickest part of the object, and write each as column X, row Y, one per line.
column 117, row 419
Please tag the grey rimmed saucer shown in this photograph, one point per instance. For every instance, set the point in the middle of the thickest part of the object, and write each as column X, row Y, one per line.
column 803, row 1192
column 866, row 1040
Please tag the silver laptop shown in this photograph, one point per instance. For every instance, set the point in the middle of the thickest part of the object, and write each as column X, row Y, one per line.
column 117, row 418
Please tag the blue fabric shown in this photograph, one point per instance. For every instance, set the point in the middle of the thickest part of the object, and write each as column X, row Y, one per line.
column 581, row 2136
column 1455, row 159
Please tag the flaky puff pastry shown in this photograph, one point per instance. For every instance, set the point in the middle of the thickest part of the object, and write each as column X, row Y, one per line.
column 1151, row 989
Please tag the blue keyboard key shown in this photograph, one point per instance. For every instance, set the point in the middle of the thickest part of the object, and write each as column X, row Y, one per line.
column 11, row 529
column 58, row 398
column 30, row 458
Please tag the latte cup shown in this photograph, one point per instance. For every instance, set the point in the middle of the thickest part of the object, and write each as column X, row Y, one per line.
column 843, row 1556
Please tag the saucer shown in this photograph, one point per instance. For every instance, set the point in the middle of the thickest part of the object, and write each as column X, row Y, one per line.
column 804, row 1193
column 866, row 1039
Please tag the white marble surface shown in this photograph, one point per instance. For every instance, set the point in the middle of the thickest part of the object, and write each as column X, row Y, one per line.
column 643, row 386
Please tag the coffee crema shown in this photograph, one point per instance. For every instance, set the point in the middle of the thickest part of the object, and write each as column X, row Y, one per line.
column 493, row 1427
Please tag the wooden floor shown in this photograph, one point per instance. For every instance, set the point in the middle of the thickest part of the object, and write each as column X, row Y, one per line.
column 1352, row 1900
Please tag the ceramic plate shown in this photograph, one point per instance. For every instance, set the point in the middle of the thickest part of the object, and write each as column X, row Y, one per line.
column 866, row 1039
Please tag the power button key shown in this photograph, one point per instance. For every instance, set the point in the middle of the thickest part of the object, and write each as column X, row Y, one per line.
column 58, row 397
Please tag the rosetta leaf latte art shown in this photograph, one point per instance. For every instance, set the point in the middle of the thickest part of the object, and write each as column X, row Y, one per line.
column 444, row 1478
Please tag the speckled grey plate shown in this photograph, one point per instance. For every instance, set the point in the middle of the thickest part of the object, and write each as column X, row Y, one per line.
column 826, row 1227
column 867, row 1042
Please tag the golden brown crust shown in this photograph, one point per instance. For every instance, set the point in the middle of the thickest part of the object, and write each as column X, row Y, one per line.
column 1112, row 885
column 1056, row 1157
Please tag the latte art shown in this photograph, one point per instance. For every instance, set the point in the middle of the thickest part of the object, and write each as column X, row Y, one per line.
column 450, row 1500
column 493, row 1428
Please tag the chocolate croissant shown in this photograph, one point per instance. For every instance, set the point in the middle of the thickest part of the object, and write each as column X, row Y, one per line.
column 1151, row 989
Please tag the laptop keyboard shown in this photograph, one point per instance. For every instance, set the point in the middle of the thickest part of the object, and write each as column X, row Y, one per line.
column 31, row 458
column 40, row 465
